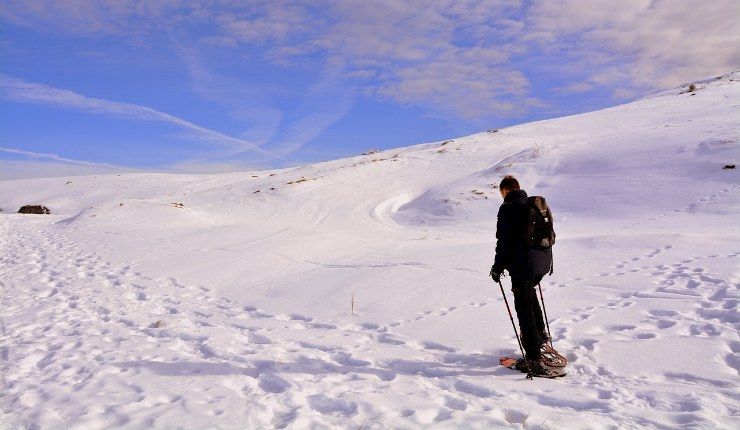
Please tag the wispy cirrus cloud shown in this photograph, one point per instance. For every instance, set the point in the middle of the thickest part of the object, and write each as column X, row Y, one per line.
column 249, row 103
column 19, row 90
column 462, row 58
column 326, row 101
column 283, row 130
column 54, row 157
column 40, row 164
column 20, row 169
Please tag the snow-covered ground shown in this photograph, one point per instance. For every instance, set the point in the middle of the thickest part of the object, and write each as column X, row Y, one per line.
column 355, row 293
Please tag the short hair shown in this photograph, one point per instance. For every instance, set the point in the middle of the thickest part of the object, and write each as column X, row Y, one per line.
column 509, row 183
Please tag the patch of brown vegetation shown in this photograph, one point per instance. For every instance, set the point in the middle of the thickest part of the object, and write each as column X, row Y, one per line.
column 301, row 179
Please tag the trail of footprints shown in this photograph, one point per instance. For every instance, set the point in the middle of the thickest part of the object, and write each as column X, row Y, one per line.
column 688, row 208
column 626, row 267
column 627, row 390
column 170, row 322
column 84, row 316
column 716, row 306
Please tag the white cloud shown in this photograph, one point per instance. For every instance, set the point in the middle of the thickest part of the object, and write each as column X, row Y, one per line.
column 467, row 58
column 640, row 43
column 447, row 55
column 28, row 92
column 262, row 21
column 100, row 17
column 384, row 39
column 466, row 89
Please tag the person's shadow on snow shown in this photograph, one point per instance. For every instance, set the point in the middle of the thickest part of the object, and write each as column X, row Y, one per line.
column 449, row 364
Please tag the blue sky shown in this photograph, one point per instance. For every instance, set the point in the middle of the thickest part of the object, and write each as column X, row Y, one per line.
column 205, row 86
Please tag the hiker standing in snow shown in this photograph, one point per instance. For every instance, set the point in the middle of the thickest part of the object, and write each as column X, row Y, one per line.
column 524, row 249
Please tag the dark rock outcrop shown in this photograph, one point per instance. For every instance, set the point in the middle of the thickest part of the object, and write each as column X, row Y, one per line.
column 34, row 209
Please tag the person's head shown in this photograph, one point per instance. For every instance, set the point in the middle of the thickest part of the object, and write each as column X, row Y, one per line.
column 508, row 184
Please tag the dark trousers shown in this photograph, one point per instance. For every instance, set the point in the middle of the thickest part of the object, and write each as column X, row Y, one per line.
column 529, row 314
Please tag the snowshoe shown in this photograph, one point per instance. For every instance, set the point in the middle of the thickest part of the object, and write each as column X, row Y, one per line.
column 550, row 357
column 538, row 369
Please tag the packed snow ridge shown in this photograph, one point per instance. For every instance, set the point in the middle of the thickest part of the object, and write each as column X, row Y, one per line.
column 355, row 293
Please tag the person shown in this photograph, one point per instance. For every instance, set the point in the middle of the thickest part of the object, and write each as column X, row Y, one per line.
column 526, row 264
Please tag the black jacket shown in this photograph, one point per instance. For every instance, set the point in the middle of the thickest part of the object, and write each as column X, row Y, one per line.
column 512, row 252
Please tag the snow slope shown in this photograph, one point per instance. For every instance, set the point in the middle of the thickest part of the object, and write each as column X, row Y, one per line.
column 355, row 293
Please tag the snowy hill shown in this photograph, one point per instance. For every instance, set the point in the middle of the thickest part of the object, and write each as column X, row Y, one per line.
column 355, row 293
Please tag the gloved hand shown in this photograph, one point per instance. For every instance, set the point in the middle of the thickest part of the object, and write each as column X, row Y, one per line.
column 496, row 275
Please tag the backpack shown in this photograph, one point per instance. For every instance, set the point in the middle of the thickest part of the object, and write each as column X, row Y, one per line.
column 540, row 233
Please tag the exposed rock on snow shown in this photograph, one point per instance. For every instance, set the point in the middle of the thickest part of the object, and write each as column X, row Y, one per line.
column 34, row 209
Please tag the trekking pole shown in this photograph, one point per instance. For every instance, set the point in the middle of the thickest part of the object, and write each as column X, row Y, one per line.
column 547, row 323
column 516, row 333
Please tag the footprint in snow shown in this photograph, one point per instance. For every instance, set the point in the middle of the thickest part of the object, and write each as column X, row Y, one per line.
column 455, row 403
column 388, row 339
column 272, row 383
column 644, row 336
column 437, row 346
column 321, row 326
column 259, row 339
column 589, row 344
column 330, row 406
column 345, row 359
column 664, row 323
column 621, row 327
column 703, row 330
column 662, row 313
column 474, row 390
column 371, row 326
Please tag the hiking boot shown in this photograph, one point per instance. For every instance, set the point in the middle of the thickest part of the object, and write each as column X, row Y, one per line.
column 526, row 364
column 538, row 368
column 521, row 365
column 550, row 357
